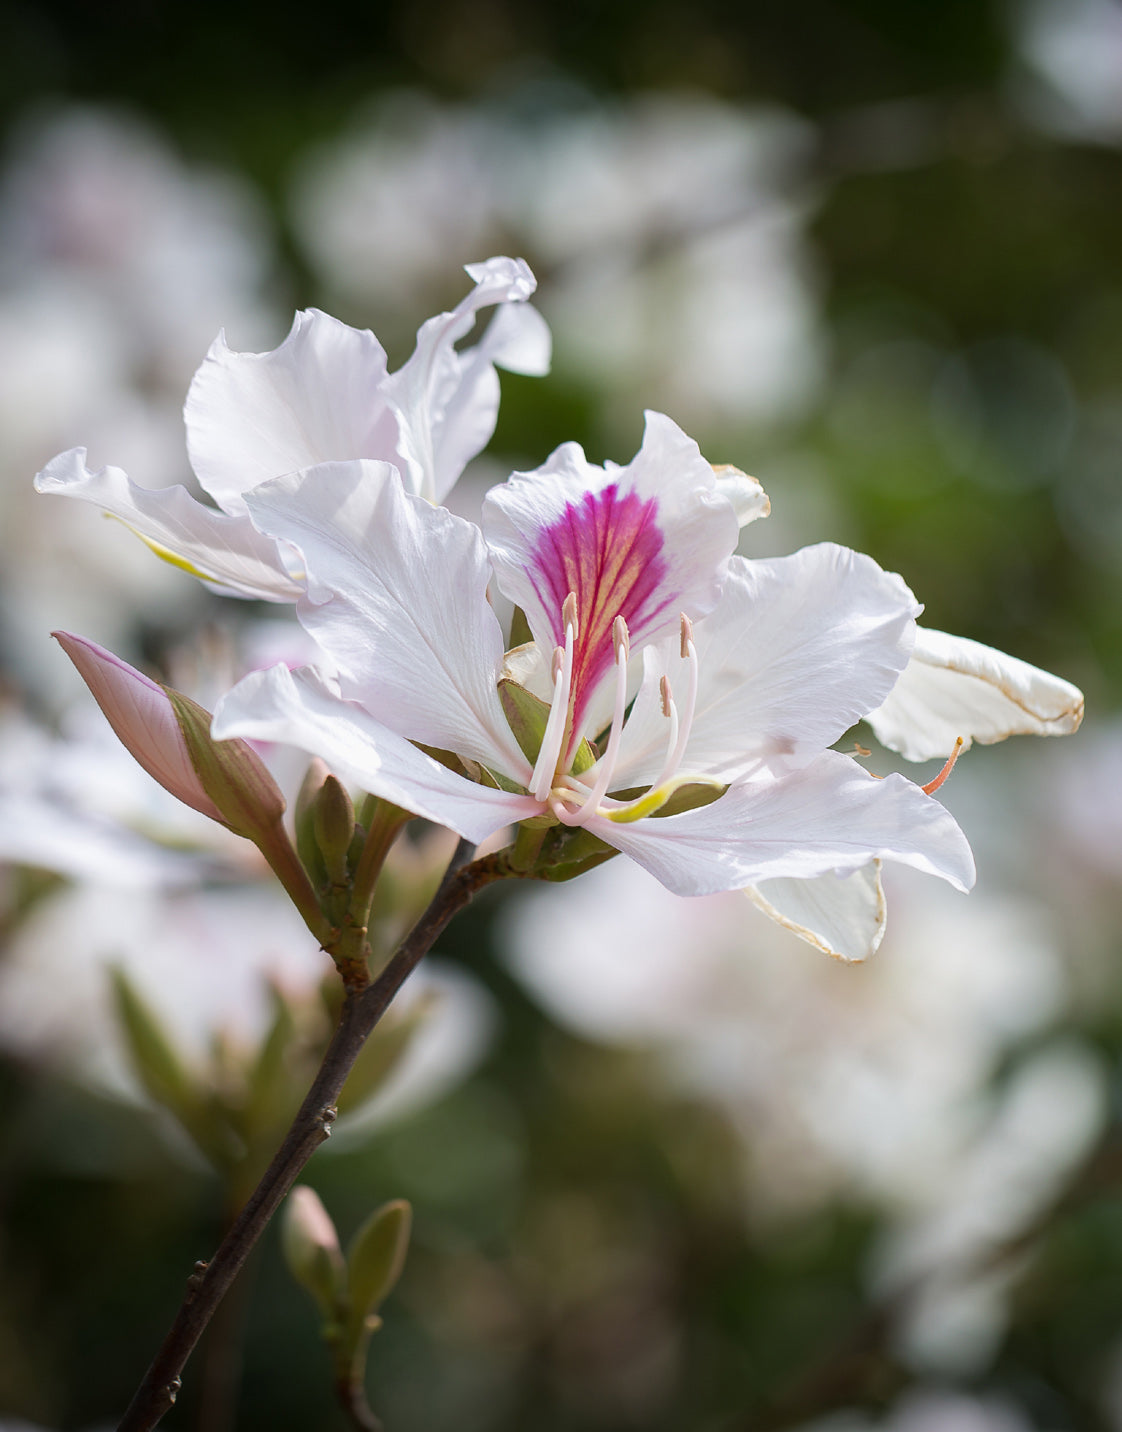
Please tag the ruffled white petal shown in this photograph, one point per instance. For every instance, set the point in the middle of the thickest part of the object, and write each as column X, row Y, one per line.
column 446, row 401
column 843, row 915
column 317, row 398
column 225, row 551
column 397, row 598
column 296, row 709
column 796, row 651
column 953, row 687
column 828, row 816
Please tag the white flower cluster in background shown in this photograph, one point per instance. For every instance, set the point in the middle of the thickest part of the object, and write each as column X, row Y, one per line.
column 669, row 228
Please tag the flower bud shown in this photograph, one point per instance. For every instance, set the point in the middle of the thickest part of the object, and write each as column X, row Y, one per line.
column 231, row 772
column 143, row 717
column 333, row 820
column 311, row 1249
column 169, row 734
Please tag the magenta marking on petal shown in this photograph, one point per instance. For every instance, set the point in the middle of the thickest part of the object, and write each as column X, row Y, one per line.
column 607, row 549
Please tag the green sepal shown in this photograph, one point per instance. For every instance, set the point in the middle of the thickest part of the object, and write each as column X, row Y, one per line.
column 568, row 845
column 520, row 632
column 558, row 874
column 674, row 797
column 231, row 772
column 527, row 715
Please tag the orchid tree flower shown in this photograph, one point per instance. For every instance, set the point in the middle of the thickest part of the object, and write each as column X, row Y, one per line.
column 677, row 702
column 324, row 395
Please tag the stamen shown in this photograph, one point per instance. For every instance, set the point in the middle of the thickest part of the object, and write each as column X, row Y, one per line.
column 590, row 803
column 680, row 730
column 569, row 614
column 541, row 778
column 932, row 786
column 621, row 639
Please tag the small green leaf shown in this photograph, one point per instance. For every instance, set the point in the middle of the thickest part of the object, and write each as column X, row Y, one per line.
column 375, row 1259
column 268, row 1090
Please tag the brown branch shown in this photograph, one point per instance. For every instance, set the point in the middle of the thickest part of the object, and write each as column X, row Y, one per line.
column 360, row 1013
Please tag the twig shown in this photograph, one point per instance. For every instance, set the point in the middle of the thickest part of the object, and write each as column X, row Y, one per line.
column 360, row 1013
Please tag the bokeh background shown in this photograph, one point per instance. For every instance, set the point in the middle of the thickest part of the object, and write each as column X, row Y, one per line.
column 670, row 1168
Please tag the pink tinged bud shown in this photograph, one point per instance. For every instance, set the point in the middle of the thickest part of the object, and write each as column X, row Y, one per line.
column 143, row 718
column 169, row 734
column 311, row 1248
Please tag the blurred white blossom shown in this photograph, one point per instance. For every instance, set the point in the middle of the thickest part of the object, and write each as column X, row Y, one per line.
column 670, row 228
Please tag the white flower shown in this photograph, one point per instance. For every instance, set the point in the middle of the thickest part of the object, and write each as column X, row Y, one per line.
column 749, row 670
column 323, row 395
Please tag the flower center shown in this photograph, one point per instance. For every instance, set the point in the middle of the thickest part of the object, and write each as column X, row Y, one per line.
column 570, row 798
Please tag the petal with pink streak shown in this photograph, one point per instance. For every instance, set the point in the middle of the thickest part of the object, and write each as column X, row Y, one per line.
column 645, row 542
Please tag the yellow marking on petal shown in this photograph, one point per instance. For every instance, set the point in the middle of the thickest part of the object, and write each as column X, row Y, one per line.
column 658, row 796
column 165, row 554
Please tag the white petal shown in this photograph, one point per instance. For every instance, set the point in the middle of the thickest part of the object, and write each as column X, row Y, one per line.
column 828, row 816
column 397, row 597
column 317, row 398
column 296, row 709
column 225, row 551
column 953, row 687
column 446, row 400
column 844, row 915
column 748, row 498
column 797, row 649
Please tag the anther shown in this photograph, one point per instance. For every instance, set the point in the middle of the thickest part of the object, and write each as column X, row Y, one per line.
column 569, row 614
column 932, row 786
column 664, row 695
column 687, row 636
column 558, row 662
column 621, row 639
